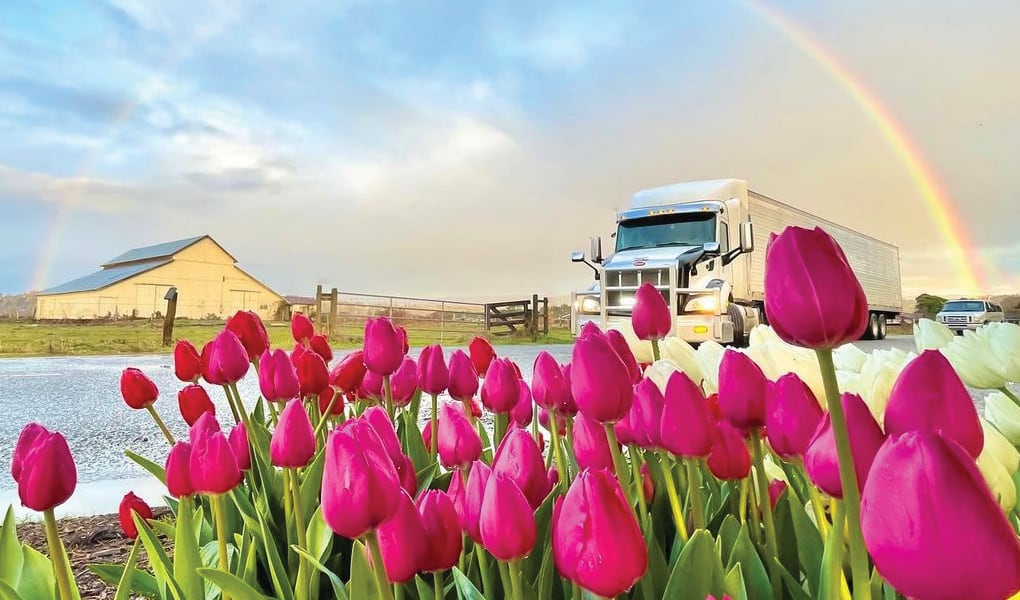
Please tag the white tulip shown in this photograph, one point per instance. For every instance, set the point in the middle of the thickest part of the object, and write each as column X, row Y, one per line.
column 762, row 334
column 849, row 382
column 931, row 335
column 849, row 358
column 684, row 355
column 641, row 349
column 1003, row 340
column 1004, row 414
column 773, row 471
column 660, row 371
column 998, row 480
column 999, row 447
column 877, row 378
column 972, row 357
column 777, row 358
column 710, row 357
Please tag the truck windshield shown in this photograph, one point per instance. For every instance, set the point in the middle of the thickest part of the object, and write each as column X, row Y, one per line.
column 683, row 229
column 958, row 306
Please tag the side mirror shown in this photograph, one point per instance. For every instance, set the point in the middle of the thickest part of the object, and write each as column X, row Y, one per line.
column 711, row 248
column 746, row 237
column 577, row 256
column 596, row 250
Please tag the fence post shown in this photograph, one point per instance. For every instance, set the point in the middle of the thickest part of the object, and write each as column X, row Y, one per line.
column 534, row 317
column 318, row 306
column 332, row 313
column 442, row 320
column 488, row 324
column 545, row 315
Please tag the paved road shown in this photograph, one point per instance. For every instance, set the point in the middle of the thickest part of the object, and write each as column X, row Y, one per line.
column 80, row 397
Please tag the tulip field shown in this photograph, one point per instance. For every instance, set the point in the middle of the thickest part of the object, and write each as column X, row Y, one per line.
column 800, row 467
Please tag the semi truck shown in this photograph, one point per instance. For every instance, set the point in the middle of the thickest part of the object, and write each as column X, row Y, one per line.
column 702, row 245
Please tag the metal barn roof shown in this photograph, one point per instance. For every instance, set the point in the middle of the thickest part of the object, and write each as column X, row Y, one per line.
column 105, row 277
column 164, row 250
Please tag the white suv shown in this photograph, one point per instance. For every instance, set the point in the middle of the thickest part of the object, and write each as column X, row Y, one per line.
column 969, row 314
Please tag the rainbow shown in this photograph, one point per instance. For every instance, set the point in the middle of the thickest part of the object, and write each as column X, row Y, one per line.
column 972, row 269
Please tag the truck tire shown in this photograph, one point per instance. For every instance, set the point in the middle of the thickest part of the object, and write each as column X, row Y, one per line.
column 882, row 327
column 871, row 332
column 737, row 318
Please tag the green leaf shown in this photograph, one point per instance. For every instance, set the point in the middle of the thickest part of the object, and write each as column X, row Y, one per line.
column 37, row 580
column 657, row 568
column 727, row 537
column 698, row 571
column 311, row 486
column 425, row 589
column 339, row 590
column 414, row 446
column 786, row 533
column 187, row 559
column 142, row 583
column 756, row 578
column 164, row 528
column 9, row 593
column 124, row 586
column 792, row 585
column 157, row 471
column 733, row 585
column 158, row 560
column 362, row 583
column 231, row 584
column 465, row 589
column 427, row 476
column 277, row 572
column 10, row 550
column 809, row 546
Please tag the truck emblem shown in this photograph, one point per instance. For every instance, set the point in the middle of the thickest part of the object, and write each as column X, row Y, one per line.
column 639, row 262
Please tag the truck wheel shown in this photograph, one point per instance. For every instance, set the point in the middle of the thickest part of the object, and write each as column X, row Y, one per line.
column 882, row 327
column 871, row 333
column 737, row 318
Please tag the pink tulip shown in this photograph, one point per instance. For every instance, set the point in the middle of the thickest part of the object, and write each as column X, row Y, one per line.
column 214, row 468
column 743, row 390
column 929, row 396
column 482, row 355
column 404, row 382
column 319, row 344
column 933, row 527
column 443, row 538
column 792, row 415
column 591, row 445
column 407, row 475
column 548, row 386
column 507, row 522
column 248, row 328
column 729, row 459
column 814, row 298
column 501, row 389
column 178, row 471
column 596, row 541
column 520, row 458
column 459, row 443
column 650, row 316
column 402, row 541
column 278, row 379
column 641, row 425
column 187, row 362
column 384, row 346
column 561, row 421
column 474, row 493
column 227, row 360
column 568, row 408
column 301, row 328
column 348, row 373
column 600, row 382
column 622, row 348
column 686, row 427
column 776, row 489
column 380, row 421
column 426, row 437
column 238, row 439
column 463, row 383
column 313, row 375
column 457, row 491
column 371, row 387
column 293, row 442
column 433, row 376
column 647, row 484
column 43, row 468
column 866, row 437
column 360, row 487
column 524, row 411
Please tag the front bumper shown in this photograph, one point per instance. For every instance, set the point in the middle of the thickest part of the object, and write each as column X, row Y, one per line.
column 964, row 326
column 693, row 329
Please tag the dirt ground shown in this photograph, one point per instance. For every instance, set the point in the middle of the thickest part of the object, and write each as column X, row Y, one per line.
column 89, row 540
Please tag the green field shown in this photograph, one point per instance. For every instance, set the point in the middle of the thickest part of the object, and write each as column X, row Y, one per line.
column 26, row 338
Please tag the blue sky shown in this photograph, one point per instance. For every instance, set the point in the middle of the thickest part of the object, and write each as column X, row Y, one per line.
column 392, row 147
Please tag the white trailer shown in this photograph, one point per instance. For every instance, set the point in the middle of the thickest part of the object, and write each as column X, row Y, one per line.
column 702, row 244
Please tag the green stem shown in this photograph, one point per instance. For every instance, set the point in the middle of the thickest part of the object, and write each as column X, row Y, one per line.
column 573, row 466
column 848, row 477
column 834, row 546
column 273, row 414
column 557, row 450
column 437, row 584
column 753, row 508
column 619, row 464
column 488, row 590
column 504, row 579
column 388, row 396
column 639, row 488
column 301, row 591
column 766, row 510
column 385, row 592
column 58, row 556
column 221, row 532
column 398, row 591
column 240, row 409
column 499, row 426
column 694, row 492
column 515, row 579
column 816, row 506
column 743, row 500
column 230, row 403
column 324, row 417
column 434, row 427
column 159, row 422
column 674, row 499
column 1005, row 390
column 655, row 350
column 575, row 592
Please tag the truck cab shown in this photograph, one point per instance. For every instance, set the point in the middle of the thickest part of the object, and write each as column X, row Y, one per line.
column 969, row 313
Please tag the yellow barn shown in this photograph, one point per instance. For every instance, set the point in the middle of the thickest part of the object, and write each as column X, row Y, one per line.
column 208, row 281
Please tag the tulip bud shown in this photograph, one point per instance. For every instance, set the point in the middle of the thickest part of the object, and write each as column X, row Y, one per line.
column 650, row 316
column 187, row 362
column 128, row 505
column 776, row 489
column 248, row 328
column 999, row 481
column 426, row 437
column 404, row 382
column 647, row 484
column 301, row 328
column 520, row 458
column 313, row 376
column 998, row 446
column 600, row 382
column 561, row 421
column 929, row 396
column 178, row 471
column 349, row 372
column 596, row 541
column 524, row 410
column 377, row 418
column 371, row 387
column 729, row 459
column 360, row 487
column 443, row 539
column 931, row 335
column 319, row 344
column 866, row 437
column 591, row 444
column 402, row 541
column 553, row 475
column 224, row 359
column 709, row 356
column 214, row 468
column 406, row 474
column 293, row 442
column 463, row 383
column 849, row 358
column 326, row 398
column 792, row 415
column 459, row 443
column 814, row 298
column 137, row 389
column 501, row 389
column 44, row 468
column 1002, row 412
column 548, row 386
column 570, row 407
column 384, row 346
column 931, row 525
column 482, row 355
column 743, row 390
column 507, row 522
column 622, row 349
column 433, row 376
column 683, row 356
column 238, row 439
column 685, row 425
column 278, row 379
column 474, row 493
column 193, row 401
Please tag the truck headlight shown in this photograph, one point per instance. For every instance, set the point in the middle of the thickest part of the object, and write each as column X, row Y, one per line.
column 588, row 305
column 702, row 304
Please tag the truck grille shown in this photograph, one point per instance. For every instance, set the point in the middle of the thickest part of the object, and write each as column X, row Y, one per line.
column 957, row 320
column 620, row 285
